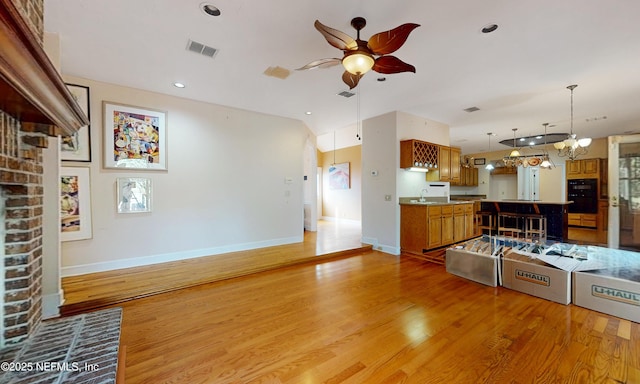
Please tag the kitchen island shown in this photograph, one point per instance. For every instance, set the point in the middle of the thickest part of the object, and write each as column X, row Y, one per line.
column 556, row 213
column 429, row 225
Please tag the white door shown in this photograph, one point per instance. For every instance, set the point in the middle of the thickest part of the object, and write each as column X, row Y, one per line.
column 624, row 192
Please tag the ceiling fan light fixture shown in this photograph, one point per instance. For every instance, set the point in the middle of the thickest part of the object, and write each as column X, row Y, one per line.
column 358, row 62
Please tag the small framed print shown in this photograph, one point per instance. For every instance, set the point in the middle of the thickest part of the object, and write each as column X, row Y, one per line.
column 77, row 147
column 75, row 204
column 134, row 137
column 479, row 161
column 134, row 194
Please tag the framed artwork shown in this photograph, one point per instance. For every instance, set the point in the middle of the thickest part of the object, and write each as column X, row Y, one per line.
column 78, row 146
column 479, row 161
column 134, row 194
column 339, row 176
column 75, row 204
column 134, row 137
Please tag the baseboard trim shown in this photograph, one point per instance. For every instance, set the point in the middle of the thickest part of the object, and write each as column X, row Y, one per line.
column 84, row 269
column 381, row 247
column 51, row 305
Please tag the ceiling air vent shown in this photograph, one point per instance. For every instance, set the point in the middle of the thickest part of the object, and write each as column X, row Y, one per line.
column 471, row 109
column 202, row 49
column 346, row 94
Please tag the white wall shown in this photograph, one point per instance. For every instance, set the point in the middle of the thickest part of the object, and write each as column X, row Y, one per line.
column 224, row 189
column 381, row 153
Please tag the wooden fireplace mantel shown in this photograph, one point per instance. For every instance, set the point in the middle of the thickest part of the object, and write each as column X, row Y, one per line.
column 31, row 89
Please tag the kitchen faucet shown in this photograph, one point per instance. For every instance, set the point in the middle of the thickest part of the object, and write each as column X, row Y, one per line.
column 422, row 193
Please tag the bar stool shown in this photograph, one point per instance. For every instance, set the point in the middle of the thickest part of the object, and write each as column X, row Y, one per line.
column 510, row 224
column 487, row 217
column 535, row 227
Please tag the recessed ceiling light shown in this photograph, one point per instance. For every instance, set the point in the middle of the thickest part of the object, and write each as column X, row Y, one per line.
column 489, row 28
column 210, row 9
column 307, row 113
column 179, row 85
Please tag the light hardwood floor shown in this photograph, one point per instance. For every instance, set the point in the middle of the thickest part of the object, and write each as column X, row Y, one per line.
column 363, row 317
column 371, row 318
column 333, row 239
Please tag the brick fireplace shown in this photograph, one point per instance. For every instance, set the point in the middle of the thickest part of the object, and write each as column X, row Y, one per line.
column 34, row 104
column 21, row 186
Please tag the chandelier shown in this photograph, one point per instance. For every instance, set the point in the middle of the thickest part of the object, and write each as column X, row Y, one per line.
column 572, row 147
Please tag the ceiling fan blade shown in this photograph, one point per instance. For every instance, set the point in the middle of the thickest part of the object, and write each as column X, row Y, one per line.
column 336, row 38
column 391, row 64
column 350, row 79
column 322, row 63
column 387, row 42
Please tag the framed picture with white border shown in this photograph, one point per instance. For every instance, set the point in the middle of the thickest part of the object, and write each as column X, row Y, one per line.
column 134, row 194
column 75, row 204
column 134, row 137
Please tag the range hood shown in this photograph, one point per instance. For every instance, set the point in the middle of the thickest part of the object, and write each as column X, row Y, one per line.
column 31, row 89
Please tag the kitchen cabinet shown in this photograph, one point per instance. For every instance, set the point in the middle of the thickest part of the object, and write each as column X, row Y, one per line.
column 504, row 171
column 413, row 229
column 419, row 154
column 588, row 220
column 454, row 165
column 459, row 221
column 424, row 227
column 469, row 221
column 448, row 166
column 469, row 176
column 583, row 169
column 435, row 227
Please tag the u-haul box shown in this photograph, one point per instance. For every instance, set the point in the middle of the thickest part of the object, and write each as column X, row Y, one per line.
column 536, row 278
column 612, row 291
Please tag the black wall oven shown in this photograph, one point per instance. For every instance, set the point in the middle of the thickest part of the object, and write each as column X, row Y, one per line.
column 584, row 194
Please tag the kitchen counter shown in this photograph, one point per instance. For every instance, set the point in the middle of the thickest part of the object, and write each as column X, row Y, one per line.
column 517, row 201
column 416, row 201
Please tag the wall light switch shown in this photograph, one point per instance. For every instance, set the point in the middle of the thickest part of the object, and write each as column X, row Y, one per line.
column 288, row 180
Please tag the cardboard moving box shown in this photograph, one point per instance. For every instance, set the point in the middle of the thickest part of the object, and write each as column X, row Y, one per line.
column 480, row 268
column 532, row 276
column 612, row 291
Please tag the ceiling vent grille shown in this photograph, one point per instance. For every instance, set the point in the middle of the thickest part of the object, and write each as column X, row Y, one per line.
column 346, row 94
column 471, row 109
column 202, row 49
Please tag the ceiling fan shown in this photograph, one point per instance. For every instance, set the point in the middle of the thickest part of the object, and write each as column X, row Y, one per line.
column 361, row 56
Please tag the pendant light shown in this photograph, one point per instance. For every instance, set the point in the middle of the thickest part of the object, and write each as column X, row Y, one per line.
column 546, row 163
column 572, row 147
column 489, row 166
column 514, row 158
column 515, row 152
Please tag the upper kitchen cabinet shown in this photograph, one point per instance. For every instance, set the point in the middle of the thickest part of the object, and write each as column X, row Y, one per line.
column 583, row 169
column 418, row 154
column 448, row 166
column 469, row 176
